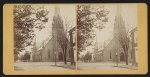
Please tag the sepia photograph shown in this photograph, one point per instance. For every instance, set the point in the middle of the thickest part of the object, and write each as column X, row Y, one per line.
column 107, row 37
column 73, row 39
column 44, row 37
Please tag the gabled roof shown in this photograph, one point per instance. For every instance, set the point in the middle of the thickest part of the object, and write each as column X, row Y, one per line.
column 71, row 30
column 41, row 47
column 133, row 30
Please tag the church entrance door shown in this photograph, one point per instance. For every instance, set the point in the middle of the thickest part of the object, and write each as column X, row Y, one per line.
column 122, row 58
column 60, row 56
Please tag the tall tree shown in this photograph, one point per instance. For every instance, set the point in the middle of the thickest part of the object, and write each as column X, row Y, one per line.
column 69, row 34
column 120, row 33
column 59, row 33
column 87, row 18
column 26, row 18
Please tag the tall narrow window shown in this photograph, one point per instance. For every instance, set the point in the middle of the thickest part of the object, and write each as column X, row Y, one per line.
column 110, row 54
column 49, row 54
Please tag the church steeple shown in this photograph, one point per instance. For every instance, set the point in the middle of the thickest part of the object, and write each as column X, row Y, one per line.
column 56, row 21
column 118, row 10
column 119, row 23
column 57, row 11
column 57, row 24
column 119, row 26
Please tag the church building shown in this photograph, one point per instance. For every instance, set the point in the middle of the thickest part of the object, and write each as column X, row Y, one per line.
column 113, row 50
column 58, row 46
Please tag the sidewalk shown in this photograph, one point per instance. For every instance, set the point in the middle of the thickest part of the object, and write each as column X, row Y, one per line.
column 67, row 66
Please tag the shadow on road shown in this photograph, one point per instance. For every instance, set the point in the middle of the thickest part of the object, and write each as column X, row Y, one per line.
column 65, row 66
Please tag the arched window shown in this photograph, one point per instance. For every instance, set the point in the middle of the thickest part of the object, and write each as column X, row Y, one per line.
column 60, row 56
column 122, row 57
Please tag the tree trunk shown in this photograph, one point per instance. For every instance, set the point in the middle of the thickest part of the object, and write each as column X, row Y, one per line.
column 63, row 56
column 126, row 57
column 126, row 60
column 72, row 57
column 65, row 61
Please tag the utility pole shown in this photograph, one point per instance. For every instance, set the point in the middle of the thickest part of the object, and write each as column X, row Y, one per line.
column 116, row 59
column 55, row 57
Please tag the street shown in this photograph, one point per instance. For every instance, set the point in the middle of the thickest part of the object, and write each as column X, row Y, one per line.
column 102, row 66
column 41, row 66
column 80, row 66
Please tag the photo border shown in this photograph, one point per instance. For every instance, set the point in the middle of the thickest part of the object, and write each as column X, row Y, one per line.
column 8, row 61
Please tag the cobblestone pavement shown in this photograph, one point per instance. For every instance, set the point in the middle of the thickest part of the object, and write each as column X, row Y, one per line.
column 40, row 66
column 101, row 66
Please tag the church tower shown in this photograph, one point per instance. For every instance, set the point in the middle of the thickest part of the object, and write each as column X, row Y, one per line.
column 57, row 24
column 120, row 36
column 118, row 20
column 119, row 25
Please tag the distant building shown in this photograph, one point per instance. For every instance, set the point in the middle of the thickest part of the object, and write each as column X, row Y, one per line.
column 98, row 56
column 72, row 33
column 36, row 56
column 134, row 49
column 52, row 50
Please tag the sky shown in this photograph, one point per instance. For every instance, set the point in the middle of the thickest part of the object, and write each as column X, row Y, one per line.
column 129, row 13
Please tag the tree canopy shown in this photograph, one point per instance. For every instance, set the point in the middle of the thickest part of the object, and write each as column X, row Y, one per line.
column 26, row 19
column 89, row 17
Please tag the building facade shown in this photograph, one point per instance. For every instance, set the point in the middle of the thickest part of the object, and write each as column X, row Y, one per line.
column 72, row 34
column 134, row 48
